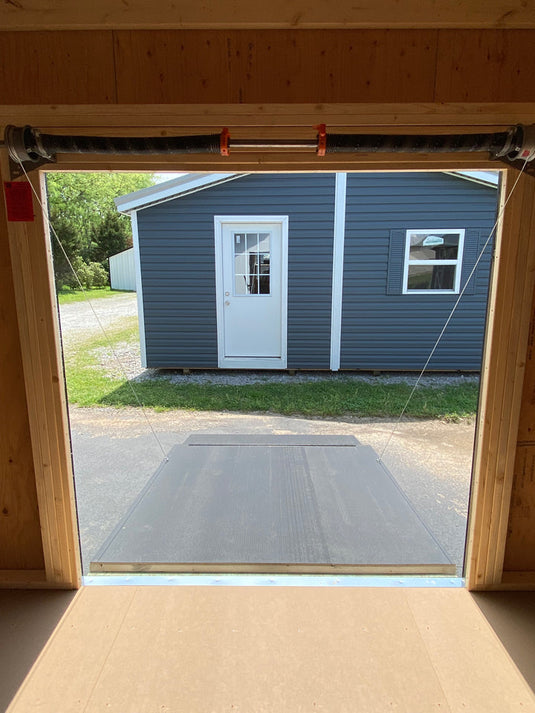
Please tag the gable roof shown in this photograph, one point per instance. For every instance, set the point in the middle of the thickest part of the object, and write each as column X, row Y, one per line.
column 193, row 182
column 161, row 192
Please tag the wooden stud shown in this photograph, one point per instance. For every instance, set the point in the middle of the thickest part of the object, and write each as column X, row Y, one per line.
column 45, row 394
column 20, row 534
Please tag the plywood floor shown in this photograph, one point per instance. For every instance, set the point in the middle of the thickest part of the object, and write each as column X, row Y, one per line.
column 211, row 649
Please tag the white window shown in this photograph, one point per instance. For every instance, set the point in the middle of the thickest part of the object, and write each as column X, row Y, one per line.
column 433, row 261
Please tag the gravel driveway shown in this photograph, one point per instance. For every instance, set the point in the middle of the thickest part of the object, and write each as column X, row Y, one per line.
column 115, row 451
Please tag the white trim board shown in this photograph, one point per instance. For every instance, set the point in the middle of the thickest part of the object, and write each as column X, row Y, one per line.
column 338, row 268
column 223, row 361
column 139, row 291
column 169, row 190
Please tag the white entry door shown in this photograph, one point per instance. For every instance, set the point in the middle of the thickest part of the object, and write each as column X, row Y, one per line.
column 251, row 269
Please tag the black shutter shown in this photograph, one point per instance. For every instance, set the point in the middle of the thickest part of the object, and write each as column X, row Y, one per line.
column 470, row 255
column 396, row 255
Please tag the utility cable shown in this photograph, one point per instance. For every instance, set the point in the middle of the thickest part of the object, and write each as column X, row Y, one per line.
column 99, row 322
column 453, row 310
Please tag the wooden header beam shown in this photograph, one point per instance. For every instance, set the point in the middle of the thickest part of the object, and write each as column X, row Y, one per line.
column 278, row 14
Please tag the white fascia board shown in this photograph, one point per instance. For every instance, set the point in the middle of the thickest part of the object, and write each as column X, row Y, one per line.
column 489, row 179
column 169, row 190
column 338, row 269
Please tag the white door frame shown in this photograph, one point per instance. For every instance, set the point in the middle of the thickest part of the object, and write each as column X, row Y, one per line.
column 250, row 362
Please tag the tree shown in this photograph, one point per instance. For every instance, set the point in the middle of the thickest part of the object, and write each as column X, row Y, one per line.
column 111, row 236
column 85, row 219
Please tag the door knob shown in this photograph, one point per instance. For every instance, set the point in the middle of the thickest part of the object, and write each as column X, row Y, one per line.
column 227, row 294
column 227, row 302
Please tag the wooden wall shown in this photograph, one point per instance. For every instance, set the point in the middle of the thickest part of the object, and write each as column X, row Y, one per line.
column 263, row 66
column 426, row 68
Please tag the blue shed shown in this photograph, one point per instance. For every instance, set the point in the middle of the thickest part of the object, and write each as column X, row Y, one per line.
column 313, row 270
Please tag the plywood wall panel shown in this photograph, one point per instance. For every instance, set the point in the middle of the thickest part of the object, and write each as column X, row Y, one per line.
column 266, row 66
column 20, row 535
column 353, row 66
column 57, row 67
column 485, row 65
column 166, row 66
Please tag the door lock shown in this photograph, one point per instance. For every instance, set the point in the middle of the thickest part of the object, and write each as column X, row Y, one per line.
column 227, row 294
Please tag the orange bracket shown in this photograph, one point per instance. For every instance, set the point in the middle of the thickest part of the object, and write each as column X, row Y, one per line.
column 224, row 139
column 322, row 140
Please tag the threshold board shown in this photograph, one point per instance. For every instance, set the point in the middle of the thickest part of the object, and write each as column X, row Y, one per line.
column 272, row 504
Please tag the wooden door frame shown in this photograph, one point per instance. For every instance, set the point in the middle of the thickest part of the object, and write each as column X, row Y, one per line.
column 509, row 307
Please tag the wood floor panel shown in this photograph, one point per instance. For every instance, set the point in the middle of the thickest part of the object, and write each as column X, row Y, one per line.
column 470, row 662
column 242, row 649
column 68, row 669
column 214, row 649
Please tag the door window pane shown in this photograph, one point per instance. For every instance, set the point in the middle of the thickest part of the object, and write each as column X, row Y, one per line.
column 252, row 263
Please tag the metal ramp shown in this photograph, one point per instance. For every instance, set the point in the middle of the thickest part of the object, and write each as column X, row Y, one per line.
column 264, row 503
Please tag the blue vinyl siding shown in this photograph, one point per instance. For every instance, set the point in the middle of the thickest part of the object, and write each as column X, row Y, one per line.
column 178, row 267
column 382, row 328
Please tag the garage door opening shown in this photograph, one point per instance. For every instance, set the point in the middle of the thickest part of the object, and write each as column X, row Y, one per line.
column 290, row 490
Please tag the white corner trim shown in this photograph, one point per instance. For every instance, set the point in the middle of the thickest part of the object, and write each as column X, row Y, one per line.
column 338, row 268
column 139, row 291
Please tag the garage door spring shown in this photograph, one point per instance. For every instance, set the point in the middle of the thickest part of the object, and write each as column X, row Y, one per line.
column 28, row 145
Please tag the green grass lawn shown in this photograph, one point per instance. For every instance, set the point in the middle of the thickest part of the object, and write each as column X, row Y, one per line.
column 89, row 386
column 67, row 295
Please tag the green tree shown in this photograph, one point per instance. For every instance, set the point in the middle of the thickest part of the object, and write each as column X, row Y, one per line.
column 112, row 235
column 86, row 221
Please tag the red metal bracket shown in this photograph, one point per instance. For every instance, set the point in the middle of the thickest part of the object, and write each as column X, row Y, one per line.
column 322, row 139
column 224, row 142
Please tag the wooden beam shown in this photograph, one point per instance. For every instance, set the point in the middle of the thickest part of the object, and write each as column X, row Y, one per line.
column 45, row 393
column 503, row 374
column 188, row 14
column 115, row 119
